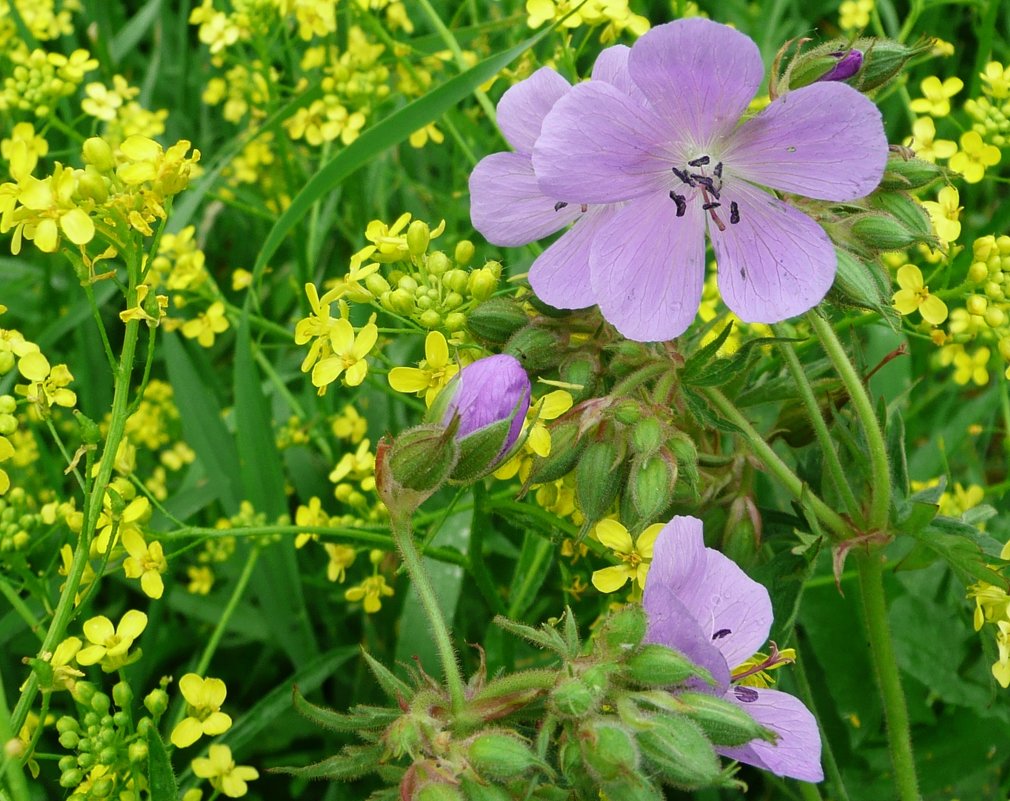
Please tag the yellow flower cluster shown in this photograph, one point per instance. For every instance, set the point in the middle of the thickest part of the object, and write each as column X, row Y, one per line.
column 854, row 15
column 992, row 606
column 990, row 113
column 39, row 79
column 45, row 20
column 615, row 15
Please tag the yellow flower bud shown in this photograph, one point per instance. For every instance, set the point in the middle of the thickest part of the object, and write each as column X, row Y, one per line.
column 976, row 304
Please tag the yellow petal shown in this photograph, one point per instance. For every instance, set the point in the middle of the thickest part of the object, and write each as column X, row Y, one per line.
column 98, row 630
column 365, row 341
column 614, row 536
column 554, row 404
column 191, row 687
column 933, row 310
column 186, row 733
column 132, row 625
column 356, row 373
column 78, row 226
column 341, row 337
column 216, row 723
column 610, row 579
column 910, row 277
column 327, row 371
column 408, row 379
column 152, row 585
column 905, row 301
column 539, row 441
column 436, row 350
column 647, row 539
column 90, row 655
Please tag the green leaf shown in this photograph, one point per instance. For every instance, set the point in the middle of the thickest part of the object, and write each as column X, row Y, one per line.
column 393, row 687
column 163, row 786
column 129, row 36
column 960, row 546
column 697, row 364
column 360, row 717
column 202, row 426
column 354, row 761
column 531, row 569
column 390, row 132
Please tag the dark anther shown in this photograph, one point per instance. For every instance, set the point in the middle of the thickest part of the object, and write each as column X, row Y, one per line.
column 746, row 694
column 681, row 203
column 707, row 206
column 701, row 161
column 708, row 183
column 682, row 174
column 718, row 170
column 584, row 208
column 559, row 205
column 721, row 633
column 734, row 213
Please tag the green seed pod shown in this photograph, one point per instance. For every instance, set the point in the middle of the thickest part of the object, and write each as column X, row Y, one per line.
column 422, row 458
column 566, row 448
column 608, row 750
column 582, row 370
column 658, row 666
column 882, row 232
column 650, row 484
column 907, row 210
column 572, row 698
column 599, row 476
column 647, row 435
column 500, row 756
column 627, row 411
column 496, row 319
column 478, row 791
column 909, row 173
column 624, row 629
column 883, row 60
column 678, row 750
column 633, row 788
column 723, row 722
column 536, row 348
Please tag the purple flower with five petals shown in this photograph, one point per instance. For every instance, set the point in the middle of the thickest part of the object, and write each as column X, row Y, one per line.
column 702, row 604
column 650, row 153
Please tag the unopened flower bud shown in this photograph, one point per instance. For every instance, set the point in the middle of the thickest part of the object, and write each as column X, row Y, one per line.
column 122, row 694
column 658, row 666
column 883, row 60
column 430, row 319
column 624, row 629
column 978, row 272
column 489, row 398
column 156, row 702
column 437, row 263
column 418, row 237
column 908, row 173
column 455, row 280
column 482, row 283
column 496, row 319
column 976, row 304
column 650, row 483
column 455, row 321
column 500, row 756
column 573, row 698
column 608, row 750
column 463, row 253
column 680, row 751
column 723, row 722
column 598, row 478
column 401, row 301
column 846, row 65
column 137, row 752
column 537, row 348
column 97, row 152
column 376, row 284
column 566, row 448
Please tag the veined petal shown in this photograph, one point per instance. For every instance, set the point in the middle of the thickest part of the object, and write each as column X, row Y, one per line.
column 560, row 275
column 910, row 277
column 522, row 108
column 699, row 76
column 905, row 301
column 776, row 262
column 507, row 206
column 797, row 751
column 824, row 141
column 612, row 66
column 598, row 145
column 647, row 267
column 671, row 624
column 614, row 536
column 611, row 579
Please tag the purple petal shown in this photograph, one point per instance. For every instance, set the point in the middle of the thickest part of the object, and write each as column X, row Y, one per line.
column 506, row 204
column 776, row 262
column 797, row 752
column 824, row 141
column 612, row 67
column 522, row 108
column 848, row 65
column 598, row 145
column 699, row 75
column 648, row 266
column 488, row 391
column 560, row 275
column 671, row 624
column 733, row 610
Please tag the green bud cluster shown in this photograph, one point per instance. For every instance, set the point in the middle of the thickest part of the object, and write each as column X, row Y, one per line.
column 429, row 286
column 18, row 521
column 990, row 119
column 106, row 747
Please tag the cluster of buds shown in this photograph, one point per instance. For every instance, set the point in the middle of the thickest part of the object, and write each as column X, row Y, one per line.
column 617, row 719
column 990, row 113
column 18, row 519
column 429, row 287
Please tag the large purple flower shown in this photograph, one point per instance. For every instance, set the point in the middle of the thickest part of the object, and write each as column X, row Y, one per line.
column 702, row 604
column 507, row 205
column 664, row 138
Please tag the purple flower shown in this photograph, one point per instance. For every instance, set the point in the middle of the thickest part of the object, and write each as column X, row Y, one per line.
column 650, row 153
column 488, row 391
column 847, row 66
column 702, row 604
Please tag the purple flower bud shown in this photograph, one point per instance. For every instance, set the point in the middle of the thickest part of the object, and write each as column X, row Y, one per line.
column 847, row 66
column 490, row 391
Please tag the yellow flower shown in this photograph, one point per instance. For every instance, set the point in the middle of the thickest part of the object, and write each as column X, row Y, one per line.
column 6, row 452
column 548, row 407
column 349, row 425
column 996, row 78
column 432, row 373
column 913, row 296
column 961, row 500
column 349, row 352
column 206, row 325
column 110, row 646
column 391, row 240
column 371, row 590
column 201, row 579
column 971, row 367
column 146, row 562
column 138, row 312
column 48, row 384
column 944, row 212
column 224, row 775
column 854, row 14
column 973, row 157
column 936, row 95
column 341, row 558
column 203, row 710
column 925, row 144
column 635, row 555
column 422, row 136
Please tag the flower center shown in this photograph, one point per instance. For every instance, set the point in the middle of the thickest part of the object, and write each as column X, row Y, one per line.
column 695, row 177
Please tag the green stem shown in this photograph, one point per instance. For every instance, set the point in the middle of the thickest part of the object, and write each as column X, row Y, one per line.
column 828, row 451
column 440, row 631
column 773, row 462
column 880, row 472
column 16, row 780
column 885, row 667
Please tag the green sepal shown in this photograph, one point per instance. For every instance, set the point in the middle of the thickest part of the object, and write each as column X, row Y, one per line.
column 680, row 752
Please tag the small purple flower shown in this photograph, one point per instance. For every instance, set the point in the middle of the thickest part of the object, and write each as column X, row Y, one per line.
column 660, row 133
column 702, row 604
column 486, row 392
column 848, row 65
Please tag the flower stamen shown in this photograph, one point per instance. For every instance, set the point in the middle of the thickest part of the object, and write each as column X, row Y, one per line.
column 559, row 205
column 681, row 202
column 734, row 213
